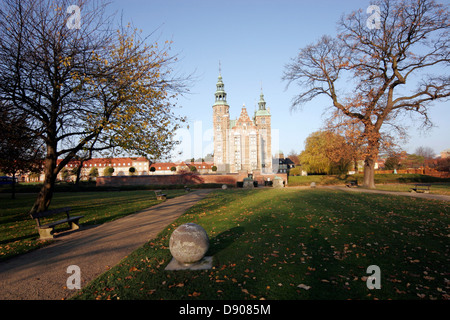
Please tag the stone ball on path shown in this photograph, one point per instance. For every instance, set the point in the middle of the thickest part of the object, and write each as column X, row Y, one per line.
column 189, row 243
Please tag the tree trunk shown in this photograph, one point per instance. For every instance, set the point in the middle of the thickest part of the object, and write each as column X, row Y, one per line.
column 369, row 173
column 373, row 147
column 13, row 191
column 80, row 167
column 46, row 193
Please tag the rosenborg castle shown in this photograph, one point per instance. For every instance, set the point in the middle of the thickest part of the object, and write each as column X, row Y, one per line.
column 242, row 144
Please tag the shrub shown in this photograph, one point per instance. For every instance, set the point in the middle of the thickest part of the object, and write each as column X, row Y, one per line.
column 108, row 171
column 93, row 173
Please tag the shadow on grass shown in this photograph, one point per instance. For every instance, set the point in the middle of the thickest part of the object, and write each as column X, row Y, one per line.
column 323, row 266
column 224, row 240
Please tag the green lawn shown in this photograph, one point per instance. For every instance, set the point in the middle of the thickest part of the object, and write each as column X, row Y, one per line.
column 379, row 179
column 296, row 244
column 436, row 188
column 17, row 230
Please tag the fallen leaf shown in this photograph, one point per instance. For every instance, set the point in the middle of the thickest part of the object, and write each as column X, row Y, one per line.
column 194, row 294
column 303, row 286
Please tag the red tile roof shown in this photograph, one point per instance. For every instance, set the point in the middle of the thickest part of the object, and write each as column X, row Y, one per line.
column 104, row 162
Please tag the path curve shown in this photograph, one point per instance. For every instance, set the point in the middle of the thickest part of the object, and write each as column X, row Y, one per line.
column 42, row 274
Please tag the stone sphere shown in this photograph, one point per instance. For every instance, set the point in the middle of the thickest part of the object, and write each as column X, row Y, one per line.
column 189, row 243
column 224, row 187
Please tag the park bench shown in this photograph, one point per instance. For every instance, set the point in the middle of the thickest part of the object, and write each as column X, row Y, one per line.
column 421, row 187
column 352, row 183
column 46, row 230
column 160, row 195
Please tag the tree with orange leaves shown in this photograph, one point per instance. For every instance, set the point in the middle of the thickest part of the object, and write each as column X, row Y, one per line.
column 368, row 73
column 326, row 153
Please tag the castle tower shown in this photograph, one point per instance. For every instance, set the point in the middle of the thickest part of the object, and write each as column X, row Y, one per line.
column 263, row 125
column 221, row 123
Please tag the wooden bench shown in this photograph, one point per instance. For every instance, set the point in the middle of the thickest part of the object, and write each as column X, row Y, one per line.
column 160, row 195
column 352, row 183
column 421, row 187
column 46, row 230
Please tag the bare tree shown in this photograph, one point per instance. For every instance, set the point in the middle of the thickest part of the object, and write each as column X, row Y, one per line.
column 426, row 152
column 293, row 156
column 84, row 85
column 365, row 70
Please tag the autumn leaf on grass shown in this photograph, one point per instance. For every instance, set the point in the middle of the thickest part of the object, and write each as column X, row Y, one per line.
column 303, row 286
column 194, row 294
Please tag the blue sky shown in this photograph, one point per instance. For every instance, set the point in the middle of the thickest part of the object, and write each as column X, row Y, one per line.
column 254, row 40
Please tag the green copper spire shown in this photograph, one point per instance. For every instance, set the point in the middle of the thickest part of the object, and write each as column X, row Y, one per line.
column 262, row 106
column 220, row 95
column 262, row 103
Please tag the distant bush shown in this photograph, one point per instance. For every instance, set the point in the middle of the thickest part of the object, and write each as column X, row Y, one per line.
column 297, row 171
column 108, row 171
column 93, row 173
